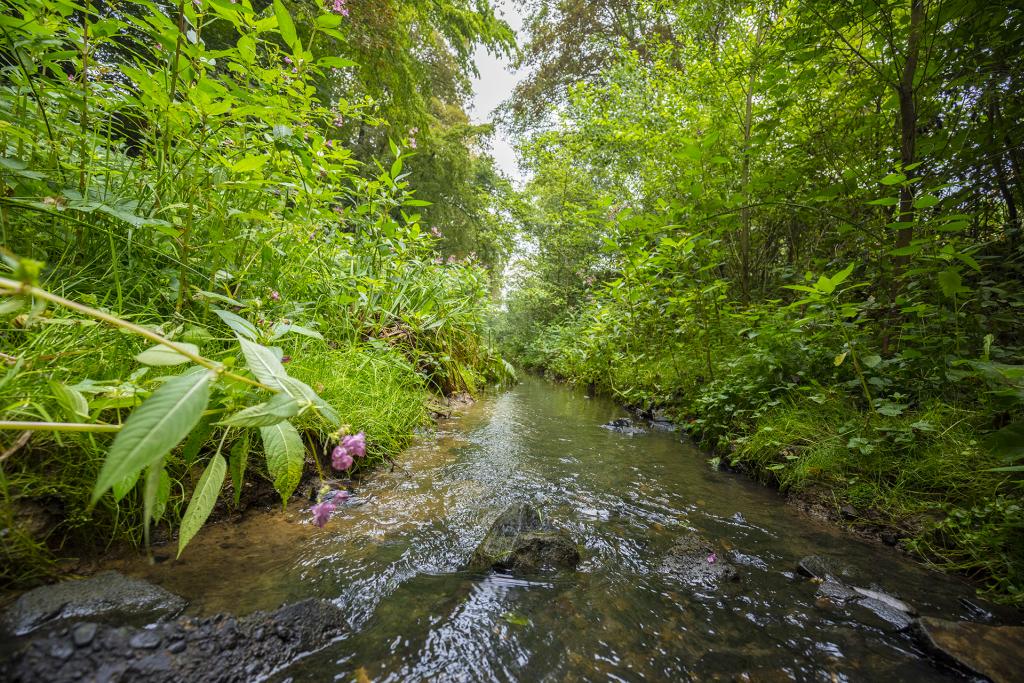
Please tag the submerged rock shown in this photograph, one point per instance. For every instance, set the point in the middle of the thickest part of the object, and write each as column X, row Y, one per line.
column 108, row 597
column 624, row 425
column 218, row 649
column 991, row 651
column 519, row 540
column 693, row 560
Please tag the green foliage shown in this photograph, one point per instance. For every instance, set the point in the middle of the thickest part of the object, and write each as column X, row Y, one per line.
column 805, row 245
column 202, row 185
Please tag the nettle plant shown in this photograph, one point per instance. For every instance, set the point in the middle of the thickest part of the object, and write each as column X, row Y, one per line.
column 263, row 400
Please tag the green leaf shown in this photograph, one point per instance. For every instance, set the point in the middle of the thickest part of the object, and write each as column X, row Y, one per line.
column 893, row 179
column 154, row 428
column 125, row 486
column 1008, row 442
column 238, row 461
column 328, row 20
column 241, row 326
column 285, row 457
column 336, row 62
column 71, row 400
column 285, row 24
column 164, row 355
column 264, row 363
column 301, row 391
column 838, row 360
column 250, row 163
column 926, row 201
column 871, row 361
column 203, row 499
column 950, row 282
column 279, row 408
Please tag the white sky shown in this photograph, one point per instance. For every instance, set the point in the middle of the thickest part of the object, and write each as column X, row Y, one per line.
column 494, row 86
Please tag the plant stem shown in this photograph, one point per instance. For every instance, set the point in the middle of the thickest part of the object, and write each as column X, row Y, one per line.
column 15, row 288
column 58, row 426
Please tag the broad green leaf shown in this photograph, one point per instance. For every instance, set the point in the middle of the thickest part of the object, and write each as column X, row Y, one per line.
column 125, row 486
column 950, row 282
column 871, row 361
column 240, row 325
column 250, row 163
column 838, row 360
column 285, row 24
column 154, row 428
column 1008, row 442
column 264, row 363
column 301, row 391
column 926, row 201
column 165, row 355
column 328, row 20
column 840, row 277
column 71, row 399
column 893, row 179
column 203, row 499
column 279, row 408
column 237, row 463
column 285, row 457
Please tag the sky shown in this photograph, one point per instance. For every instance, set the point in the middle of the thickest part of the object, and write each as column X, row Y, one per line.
column 494, row 86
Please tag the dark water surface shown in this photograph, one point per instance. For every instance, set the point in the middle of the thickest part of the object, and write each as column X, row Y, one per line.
column 392, row 559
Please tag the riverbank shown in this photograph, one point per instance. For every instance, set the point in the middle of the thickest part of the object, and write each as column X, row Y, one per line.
column 51, row 532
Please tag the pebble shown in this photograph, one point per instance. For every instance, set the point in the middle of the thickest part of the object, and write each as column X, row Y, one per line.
column 83, row 634
column 146, row 640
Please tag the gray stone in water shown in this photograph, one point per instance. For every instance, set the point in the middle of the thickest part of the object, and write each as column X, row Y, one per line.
column 991, row 651
column 519, row 540
column 836, row 592
column 694, row 560
column 108, row 596
column 894, row 619
column 892, row 602
column 624, row 425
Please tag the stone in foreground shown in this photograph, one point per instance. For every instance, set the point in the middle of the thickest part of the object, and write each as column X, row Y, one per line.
column 991, row 651
column 693, row 560
column 220, row 649
column 520, row 541
column 107, row 597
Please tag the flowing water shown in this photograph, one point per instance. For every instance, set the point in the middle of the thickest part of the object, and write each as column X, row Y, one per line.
column 393, row 559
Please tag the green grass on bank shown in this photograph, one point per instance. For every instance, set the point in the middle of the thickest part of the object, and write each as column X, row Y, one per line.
column 45, row 485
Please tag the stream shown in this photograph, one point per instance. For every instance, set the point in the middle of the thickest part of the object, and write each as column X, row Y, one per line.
column 392, row 558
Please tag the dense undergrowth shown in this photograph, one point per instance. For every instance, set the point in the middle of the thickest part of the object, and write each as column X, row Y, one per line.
column 210, row 185
column 777, row 224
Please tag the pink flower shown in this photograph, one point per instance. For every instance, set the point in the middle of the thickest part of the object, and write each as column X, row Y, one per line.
column 322, row 512
column 412, row 143
column 712, row 558
column 341, row 459
column 355, row 444
column 339, row 121
column 287, row 60
column 435, row 232
column 339, row 8
column 275, row 295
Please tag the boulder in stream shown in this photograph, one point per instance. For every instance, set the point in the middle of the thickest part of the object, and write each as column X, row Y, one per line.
column 624, row 425
column 219, row 649
column 693, row 560
column 105, row 597
column 991, row 651
column 520, row 541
